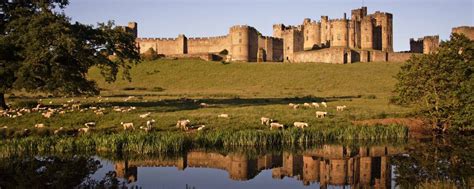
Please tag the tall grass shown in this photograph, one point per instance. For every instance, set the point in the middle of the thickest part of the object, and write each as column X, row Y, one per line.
column 174, row 142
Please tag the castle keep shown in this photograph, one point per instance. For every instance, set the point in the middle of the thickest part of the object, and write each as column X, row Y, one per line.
column 361, row 38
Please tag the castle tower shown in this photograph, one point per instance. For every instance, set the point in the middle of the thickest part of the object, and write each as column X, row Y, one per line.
column 277, row 30
column 325, row 31
column 312, row 34
column 182, row 46
column 383, row 31
column 310, row 169
column 244, row 43
column 367, row 27
column 133, row 28
column 339, row 33
column 468, row 31
column 292, row 42
column 430, row 44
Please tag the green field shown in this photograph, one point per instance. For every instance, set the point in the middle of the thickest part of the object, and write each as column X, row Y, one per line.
column 173, row 89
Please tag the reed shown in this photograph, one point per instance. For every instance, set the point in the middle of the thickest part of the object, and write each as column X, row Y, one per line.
column 174, row 142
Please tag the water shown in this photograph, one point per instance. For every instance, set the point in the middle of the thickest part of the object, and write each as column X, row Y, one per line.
column 325, row 165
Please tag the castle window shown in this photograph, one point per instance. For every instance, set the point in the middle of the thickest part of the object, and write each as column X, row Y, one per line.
column 240, row 40
column 288, row 48
column 240, row 33
column 338, row 37
column 306, row 38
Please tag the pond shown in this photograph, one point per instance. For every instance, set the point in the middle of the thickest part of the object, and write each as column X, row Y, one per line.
column 383, row 165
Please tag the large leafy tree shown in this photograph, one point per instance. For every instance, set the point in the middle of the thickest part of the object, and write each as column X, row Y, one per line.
column 441, row 85
column 41, row 50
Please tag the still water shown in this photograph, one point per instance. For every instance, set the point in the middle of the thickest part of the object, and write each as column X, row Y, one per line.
column 383, row 165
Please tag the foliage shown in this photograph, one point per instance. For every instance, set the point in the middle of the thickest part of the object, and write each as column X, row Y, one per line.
column 43, row 51
column 441, row 85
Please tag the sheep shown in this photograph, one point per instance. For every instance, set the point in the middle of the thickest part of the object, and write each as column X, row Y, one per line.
column 90, row 124
column 296, row 106
column 203, row 105
column 47, row 114
column 83, row 130
column 291, row 105
column 276, row 126
column 183, row 124
column 57, row 131
column 5, row 127
column 266, row 121
column 200, row 127
column 150, row 123
column 145, row 115
column 223, row 115
column 76, row 106
column 320, row 114
column 301, row 125
column 39, row 125
column 127, row 126
column 324, row 104
column 316, row 105
column 341, row 108
column 307, row 105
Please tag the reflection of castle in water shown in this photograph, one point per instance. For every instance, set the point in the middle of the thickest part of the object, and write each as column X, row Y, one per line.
column 330, row 165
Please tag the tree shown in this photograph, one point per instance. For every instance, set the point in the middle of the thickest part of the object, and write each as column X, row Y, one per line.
column 43, row 51
column 441, row 86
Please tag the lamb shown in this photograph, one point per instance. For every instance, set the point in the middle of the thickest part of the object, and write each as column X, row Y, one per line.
column 39, row 125
column 296, row 106
column 183, row 124
column 57, row 131
column 90, row 124
column 150, row 123
column 47, row 114
column 340, row 108
column 301, row 125
column 324, row 104
column 145, row 115
column 127, row 126
column 83, row 130
column 276, row 126
column 316, row 105
column 201, row 127
column 266, row 121
column 320, row 114
column 223, row 115
column 307, row 105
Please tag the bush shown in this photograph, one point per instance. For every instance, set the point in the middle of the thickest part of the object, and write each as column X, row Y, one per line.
column 150, row 55
column 26, row 104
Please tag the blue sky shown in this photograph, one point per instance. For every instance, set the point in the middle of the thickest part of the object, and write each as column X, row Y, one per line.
column 168, row 18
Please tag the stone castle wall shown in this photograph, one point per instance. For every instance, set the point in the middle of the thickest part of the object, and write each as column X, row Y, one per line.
column 468, row 31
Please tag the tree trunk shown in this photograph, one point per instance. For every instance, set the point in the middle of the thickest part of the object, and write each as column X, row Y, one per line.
column 3, row 104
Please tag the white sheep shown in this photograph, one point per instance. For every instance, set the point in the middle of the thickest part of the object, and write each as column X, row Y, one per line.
column 58, row 130
column 76, row 106
column 5, row 127
column 320, row 114
column 127, row 126
column 83, row 130
column 39, row 125
column 307, row 105
column 341, row 108
column 201, row 127
column 301, row 125
column 265, row 121
column 296, row 106
column 223, row 115
column 145, row 115
column 203, row 105
column 276, row 126
column 316, row 105
column 47, row 114
column 291, row 105
column 150, row 123
column 90, row 124
column 324, row 104
column 183, row 124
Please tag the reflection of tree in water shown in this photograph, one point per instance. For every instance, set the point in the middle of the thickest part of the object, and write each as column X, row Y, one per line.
column 45, row 172
column 442, row 159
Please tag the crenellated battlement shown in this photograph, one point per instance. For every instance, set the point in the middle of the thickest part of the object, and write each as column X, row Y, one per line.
column 338, row 20
column 207, row 38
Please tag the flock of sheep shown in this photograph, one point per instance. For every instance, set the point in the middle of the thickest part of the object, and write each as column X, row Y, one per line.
column 274, row 124
column 184, row 124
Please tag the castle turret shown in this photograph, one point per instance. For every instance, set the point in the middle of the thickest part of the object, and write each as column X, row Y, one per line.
column 468, row 31
column 277, row 29
column 383, row 32
column 430, row 44
column 339, row 33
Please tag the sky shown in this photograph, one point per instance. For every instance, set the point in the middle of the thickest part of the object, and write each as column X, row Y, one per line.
column 207, row 18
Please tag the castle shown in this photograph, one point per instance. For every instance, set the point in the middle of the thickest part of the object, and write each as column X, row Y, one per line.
column 362, row 38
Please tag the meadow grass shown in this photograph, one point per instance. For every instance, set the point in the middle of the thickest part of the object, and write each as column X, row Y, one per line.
column 172, row 90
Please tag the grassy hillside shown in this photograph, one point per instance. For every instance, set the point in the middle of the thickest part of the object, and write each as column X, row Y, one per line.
column 200, row 78
column 245, row 91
